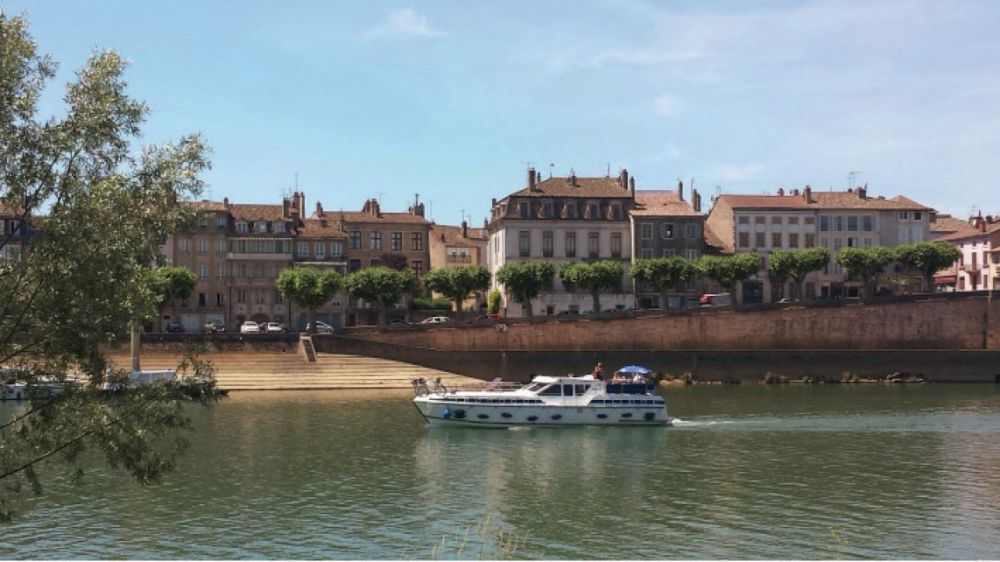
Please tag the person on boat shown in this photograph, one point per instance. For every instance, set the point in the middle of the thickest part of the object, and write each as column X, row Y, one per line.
column 599, row 371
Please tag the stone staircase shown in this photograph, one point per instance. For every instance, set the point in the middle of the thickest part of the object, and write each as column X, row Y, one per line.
column 264, row 370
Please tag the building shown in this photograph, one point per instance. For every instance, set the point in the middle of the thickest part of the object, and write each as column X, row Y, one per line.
column 16, row 233
column 943, row 225
column 663, row 224
column 560, row 220
column 976, row 268
column 806, row 219
column 452, row 246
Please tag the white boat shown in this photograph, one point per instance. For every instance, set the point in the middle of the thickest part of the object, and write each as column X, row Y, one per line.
column 46, row 387
column 546, row 401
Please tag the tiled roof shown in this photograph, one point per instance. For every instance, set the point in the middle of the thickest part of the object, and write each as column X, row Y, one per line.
column 256, row 212
column 663, row 203
column 713, row 239
column 970, row 231
column 452, row 235
column 321, row 228
column 585, row 187
column 948, row 224
column 384, row 218
column 822, row 200
column 206, row 205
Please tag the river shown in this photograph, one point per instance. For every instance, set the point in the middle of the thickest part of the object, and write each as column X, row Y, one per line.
column 750, row 471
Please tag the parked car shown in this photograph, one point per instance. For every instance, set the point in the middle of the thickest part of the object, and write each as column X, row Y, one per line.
column 275, row 328
column 175, row 327
column 436, row 320
column 397, row 322
column 716, row 299
column 321, row 328
column 250, row 327
column 214, row 326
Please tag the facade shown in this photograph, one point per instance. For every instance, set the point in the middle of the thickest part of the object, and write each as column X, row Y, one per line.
column 560, row 220
column 976, row 268
column 663, row 224
column 15, row 234
column 452, row 246
column 806, row 219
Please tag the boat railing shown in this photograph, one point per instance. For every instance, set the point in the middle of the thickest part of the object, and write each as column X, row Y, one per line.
column 422, row 387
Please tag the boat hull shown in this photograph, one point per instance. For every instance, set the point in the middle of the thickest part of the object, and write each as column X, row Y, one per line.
column 543, row 415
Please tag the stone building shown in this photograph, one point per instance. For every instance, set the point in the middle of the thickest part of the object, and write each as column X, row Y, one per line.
column 663, row 224
column 454, row 246
column 564, row 219
column 832, row 220
column 976, row 268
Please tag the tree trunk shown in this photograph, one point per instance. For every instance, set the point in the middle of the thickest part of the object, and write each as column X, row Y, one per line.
column 312, row 321
column 135, row 339
column 664, row 300
column 596, row 295
column 458, row 309
column 526, row 306
column 802, row 289
column 383, row 313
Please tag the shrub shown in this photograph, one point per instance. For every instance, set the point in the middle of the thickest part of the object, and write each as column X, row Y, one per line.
column 424, row 303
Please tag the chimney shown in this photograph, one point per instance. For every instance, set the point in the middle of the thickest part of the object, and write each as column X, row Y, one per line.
column 300, row 202
column 623, row 179
column 486, row 223
column 696, row 200
column 781, row 191
column 532, row 179
column 680, row 190
column 572, row 178
column 631, row 186
column 286, row 205
column 863, row 192
column 795, row 192
column 420, row 210
column 807, row 194
column 225, row 202
column 465, row 229
column 319, row 210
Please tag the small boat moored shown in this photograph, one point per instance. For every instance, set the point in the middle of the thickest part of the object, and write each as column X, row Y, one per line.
column 627, row 399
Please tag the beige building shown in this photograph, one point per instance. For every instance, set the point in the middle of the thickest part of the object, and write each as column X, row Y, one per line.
column 454, row 246
column 563, row 220
column 806, row 219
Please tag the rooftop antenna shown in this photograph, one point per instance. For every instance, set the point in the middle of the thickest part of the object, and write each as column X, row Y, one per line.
column 527, row 165
column 296, row 181
column 852, row 177
column 608, row 174
column 551, row 165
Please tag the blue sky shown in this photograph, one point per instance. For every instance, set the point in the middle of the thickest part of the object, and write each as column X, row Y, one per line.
column 450, row 99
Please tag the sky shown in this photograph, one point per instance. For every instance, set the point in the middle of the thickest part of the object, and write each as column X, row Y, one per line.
column 454, row 99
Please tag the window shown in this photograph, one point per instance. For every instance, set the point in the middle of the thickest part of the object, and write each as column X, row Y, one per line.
column 302, row 249
column 418, row 268
column 793, row 240
column 810, row 240
column 202, row 272
column 838, row 223
column 760, row 220
column 776, row 220
column 570, row 244
column 837, row 244
column 220, row 247
column 793, row 220
column 692, row 230
column 417, row 242
column 593, row 211
column 744, row 220
column 691, row 255
column 548, row 210
column 593, row 244
column 867, row 223
column 242, row 227
column 375, row 242
column 852, row 224
column 397, row 241
column 338, row 249
column 523, row 209
column 241, row 296
column 616, row 244
column 759, row 240
column 917, row 215
column 646, row 230
column 185, row 246
column 201, row 300
column 904, row 215
column 616, row 211
column 646, row 253
column 260, row 296
column 219, row 300
column 775, row 239
column 852, row 242
column 744, row 240
column 220, row 222
column 667, row 230
column 222, row 271
column 279, row 227
column 278, row 299
column 547, row 244
column 320, row 250
column 824, row 242
column 569, row 211
column 824, row 224
column 868, row 242
column 203, row 222
column 524, row 243
column 809, row 220
column 202, row 247
column 669, row 252
column 260, row 226
column 355, row 240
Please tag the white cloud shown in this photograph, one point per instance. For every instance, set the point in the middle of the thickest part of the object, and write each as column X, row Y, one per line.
column 735, row 172
column 664, row 105
column 404, row 23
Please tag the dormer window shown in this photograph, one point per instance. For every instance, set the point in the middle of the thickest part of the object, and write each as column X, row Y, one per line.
column 523, row 210
column 593, row 211
column 279, row 227
column 242, row 227
column 260, row 226
column 548, row 210
column 569, row 210
column 616, row 211
column 220, row 222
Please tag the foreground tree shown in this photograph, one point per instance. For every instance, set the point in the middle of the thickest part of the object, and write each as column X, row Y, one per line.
column 729, row 271
column 595, row 278
column 796, row 265
column 170, row 282
column 663, row 274
column 458, row 283
column 866, row 264
column 525, row 280
column 927, row 258
column 83, row 277
column 382, row 286
column 309, row 287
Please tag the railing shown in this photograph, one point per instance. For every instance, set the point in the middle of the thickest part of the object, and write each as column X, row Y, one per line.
column 422, row 387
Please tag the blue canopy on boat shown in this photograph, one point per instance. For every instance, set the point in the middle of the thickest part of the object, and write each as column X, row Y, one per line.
column 634, row 369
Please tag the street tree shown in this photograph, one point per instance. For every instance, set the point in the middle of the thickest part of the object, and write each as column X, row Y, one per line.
column 927, row 258
column 382, row 286
column 83, row 274
column 525, row 280
column 796, row 265
column 458, row 283
column 595, row 278
column 309, row 287
column 779, row 269
column 664, row 274
column 729, row 271
column 866, row 264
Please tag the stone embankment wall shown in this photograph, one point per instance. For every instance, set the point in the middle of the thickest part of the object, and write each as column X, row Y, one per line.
column 939, row 323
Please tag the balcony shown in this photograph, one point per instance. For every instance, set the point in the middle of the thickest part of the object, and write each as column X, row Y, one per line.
column 458, row 259
column 259, row 256
column 970, row 267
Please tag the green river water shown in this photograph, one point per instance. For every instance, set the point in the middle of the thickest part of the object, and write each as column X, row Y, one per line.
column 827, row 471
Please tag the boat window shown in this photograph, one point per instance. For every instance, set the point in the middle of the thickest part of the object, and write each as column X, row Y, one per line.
column 535, row 386
column 552, row 390
column 567, row 390
column 582, row 389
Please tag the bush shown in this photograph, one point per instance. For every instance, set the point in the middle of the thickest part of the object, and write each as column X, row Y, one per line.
column 493, row 301
column 424, row 303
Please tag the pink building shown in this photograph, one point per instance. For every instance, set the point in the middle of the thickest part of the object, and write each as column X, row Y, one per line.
column 975, row 270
